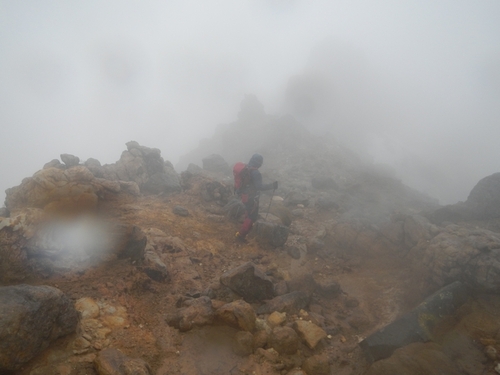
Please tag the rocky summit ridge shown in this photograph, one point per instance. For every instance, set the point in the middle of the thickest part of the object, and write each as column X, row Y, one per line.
column 132, row 267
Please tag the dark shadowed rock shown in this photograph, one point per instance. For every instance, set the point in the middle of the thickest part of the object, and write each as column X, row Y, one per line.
column 272, row 234
column 131, row 241
column 31, row 317
column 155, row 267
column 111, row 361
column 290, row 303
column 417, row 325
column 249, row 282
column 330, row 288
column 284, row 340
column 181, row 211
column 70, row 160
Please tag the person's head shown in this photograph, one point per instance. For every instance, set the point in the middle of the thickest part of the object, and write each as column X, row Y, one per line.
column 256, row 161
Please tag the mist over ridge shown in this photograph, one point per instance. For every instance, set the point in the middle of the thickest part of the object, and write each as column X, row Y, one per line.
column 413, row 86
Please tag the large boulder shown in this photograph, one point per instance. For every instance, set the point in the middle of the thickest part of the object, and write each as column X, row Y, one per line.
column 146, row 167
column 484, row 198
column 31, row 317
column 249, row 282
column 272, row 234
column 417, row 325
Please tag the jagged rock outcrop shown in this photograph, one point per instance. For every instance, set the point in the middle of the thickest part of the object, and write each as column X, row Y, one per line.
column 484, row 198
column 483, row 203
column 31, row 317
column 76, row 188
column 249, row 282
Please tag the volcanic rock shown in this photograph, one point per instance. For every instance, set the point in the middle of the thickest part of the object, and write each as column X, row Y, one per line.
column 31, row 317
column 249, row 282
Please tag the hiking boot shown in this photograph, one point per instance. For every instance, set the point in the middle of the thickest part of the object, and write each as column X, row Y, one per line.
column 240, row 238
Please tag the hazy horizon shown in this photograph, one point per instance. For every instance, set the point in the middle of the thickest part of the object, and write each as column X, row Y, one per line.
column 414, row 85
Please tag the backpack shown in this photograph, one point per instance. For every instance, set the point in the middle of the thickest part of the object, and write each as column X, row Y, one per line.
column 241, row 174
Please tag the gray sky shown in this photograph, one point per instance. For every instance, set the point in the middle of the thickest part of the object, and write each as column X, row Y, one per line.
column 412, row 84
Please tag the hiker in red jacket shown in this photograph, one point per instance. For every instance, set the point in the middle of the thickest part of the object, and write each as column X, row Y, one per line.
column 251, row 186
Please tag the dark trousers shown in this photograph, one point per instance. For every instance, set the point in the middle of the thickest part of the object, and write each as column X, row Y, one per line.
column 251, row 213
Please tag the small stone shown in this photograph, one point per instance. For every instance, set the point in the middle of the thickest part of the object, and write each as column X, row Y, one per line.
column 309, row 332
column 181, row 211
column 491, row 352
column 276, row 318
column 88, row 308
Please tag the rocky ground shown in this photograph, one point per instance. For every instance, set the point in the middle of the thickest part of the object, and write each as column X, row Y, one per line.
column 124, row 308
column 139, row 272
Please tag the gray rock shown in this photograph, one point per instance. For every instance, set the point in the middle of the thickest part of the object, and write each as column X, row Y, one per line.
column 194, row 169
column 162, row 182
column 290, row 303
column 70, row 160
column 249, row 282
column 272, row 234
column 416, row 325
column 155, row 268
column 293, row 251
column 91, row 162
column 31, row 317
column 54, row 163
column 181, row 211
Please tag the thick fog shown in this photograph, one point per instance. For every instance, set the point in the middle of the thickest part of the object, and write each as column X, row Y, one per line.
column 411, row 84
